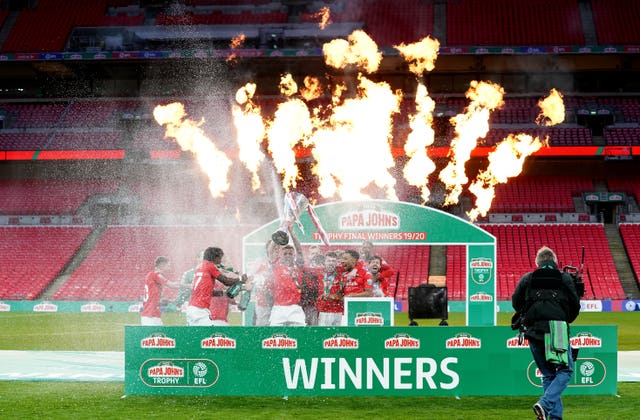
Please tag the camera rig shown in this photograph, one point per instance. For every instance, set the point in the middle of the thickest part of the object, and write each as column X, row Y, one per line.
column 576, row 275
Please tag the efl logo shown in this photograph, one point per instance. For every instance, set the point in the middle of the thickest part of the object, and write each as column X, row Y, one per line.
column 5, row 307
column 481, row 297
column 158, row 341
column 341, row 341
column 45, row 307
column 218, row 341
column 463, row 341
column 93, row 307
column 369, row 220
column 280, row 341
column 585, row 340
column 369, row 318
column 402, row 341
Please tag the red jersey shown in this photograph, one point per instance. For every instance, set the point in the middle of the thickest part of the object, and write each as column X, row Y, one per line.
column 152, row 292
column 359, row 283
column 263, row 293
column 329, row 283
column 286, row 285
column 204, row 284
column 219, row 307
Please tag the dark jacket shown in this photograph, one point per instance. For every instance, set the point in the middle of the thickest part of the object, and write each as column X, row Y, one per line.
column 543, row 295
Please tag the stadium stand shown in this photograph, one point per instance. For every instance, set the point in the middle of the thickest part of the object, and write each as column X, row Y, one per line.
column 387, row 21
column 540, row 194
column 630, row 233
column 125, row 253
column 117, row 265
column 31, row 257
column 49, row 196
column 518, row 243
column 616, row 21
column 504, row 22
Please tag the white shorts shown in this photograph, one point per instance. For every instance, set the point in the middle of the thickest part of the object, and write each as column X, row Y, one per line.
column 198, row 317
column 330, row 319
column 150, row 320
column 262, row 315
column 287, row 315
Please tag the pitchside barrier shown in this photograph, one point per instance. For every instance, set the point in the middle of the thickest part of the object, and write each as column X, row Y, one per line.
column 352, row 361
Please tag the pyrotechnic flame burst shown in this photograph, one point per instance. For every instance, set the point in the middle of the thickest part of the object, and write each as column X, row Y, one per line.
column 190, row 137
column 552, row 109
column 250, row 130
column 469, row 127
column 359, row 50
column 504, row 162
column 324, row 14
column 350, row 136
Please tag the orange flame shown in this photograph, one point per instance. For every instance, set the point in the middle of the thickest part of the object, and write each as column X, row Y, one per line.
column 312, row 88
column 504, row 162
column 250, row 131
column 236, row 42
column 288, row 86
column 420, row 55
column 552, row 109
column 470, row 126
column 324, row 14
column 352, row 149
column 360, row 50
column 190, row 137
column 420, row 166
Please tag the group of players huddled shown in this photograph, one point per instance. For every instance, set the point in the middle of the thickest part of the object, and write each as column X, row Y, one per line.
column 288, row 288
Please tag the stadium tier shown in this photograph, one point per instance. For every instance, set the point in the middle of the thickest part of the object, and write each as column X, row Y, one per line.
column 49, row 196
column 116, row 267
column 505, row 22
column 46, row 26
column 32, row 256
column 101, row 124
column 517, row 246
column 630, row 234
column 540, row 194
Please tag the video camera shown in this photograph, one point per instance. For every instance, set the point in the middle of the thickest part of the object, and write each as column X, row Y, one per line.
column 576, row 276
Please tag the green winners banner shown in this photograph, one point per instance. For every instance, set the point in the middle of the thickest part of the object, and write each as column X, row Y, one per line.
column 364, row 360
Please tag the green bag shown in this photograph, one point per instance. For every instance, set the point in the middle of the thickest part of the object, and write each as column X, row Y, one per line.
column 556, row 343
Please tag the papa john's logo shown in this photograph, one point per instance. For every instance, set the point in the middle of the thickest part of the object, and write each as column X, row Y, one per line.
column 368, row 318
column 158, row 341
column 369, row 219
column 463, row 341
column 280, row 341
column 340, row 341
column 401, row 341
column 481, row 297
column 481, row 269
column 585, row 340
column 218, row 341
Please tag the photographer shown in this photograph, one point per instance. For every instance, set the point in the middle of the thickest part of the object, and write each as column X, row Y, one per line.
column 547, row 300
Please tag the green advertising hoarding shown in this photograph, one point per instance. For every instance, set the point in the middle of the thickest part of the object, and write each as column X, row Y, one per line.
column 340, row 361
column 362, row 311
column 348, row 223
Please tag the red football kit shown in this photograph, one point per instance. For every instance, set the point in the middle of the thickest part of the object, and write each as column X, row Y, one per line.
column 359, row 283
column 286, row 285
column 329, row 283
column 152, row 292
column 263, row 295
column 204, row 284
